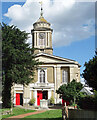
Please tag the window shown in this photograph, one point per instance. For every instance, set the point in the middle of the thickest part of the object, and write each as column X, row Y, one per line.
column 42, row 36
column 65, row 76
column 42, row 42
column 42, row 76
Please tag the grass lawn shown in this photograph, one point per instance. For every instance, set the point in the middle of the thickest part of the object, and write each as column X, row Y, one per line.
column 5, row 109
column 48, row 115
column 17, row 111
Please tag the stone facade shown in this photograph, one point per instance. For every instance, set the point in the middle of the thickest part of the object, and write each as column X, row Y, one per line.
column 49, row 76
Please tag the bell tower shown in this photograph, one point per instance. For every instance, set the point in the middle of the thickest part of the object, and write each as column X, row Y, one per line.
column 42, row 35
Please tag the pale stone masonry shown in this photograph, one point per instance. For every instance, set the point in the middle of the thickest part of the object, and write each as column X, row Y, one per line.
column 49, row 76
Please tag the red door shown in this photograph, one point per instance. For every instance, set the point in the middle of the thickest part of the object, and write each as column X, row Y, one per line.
column 17, row 99
column 39, row 97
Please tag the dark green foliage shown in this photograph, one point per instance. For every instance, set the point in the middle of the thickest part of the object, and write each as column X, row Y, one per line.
column 70, row 91
column 95, row 97
column 18, row 60
column 95, row 94
column 90, row 72
column 87, row 102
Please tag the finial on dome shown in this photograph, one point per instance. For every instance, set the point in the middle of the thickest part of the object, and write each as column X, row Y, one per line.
column 41, row 14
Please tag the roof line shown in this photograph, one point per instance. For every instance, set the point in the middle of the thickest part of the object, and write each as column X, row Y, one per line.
column 54, row 56
column 58, row 57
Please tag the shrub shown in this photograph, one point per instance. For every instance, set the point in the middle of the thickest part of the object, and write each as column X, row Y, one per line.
column 95, row 94
column 79, row 96
column 70, row 91
column 87, row 102
column 32, row 101
column 52, row 100
column 95, row 97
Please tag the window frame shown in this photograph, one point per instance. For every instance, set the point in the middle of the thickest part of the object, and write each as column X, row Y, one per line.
column 65, row 76
column 45, row 70
column 42, row 76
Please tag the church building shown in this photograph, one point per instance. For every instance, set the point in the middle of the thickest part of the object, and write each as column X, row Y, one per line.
column 50, row 75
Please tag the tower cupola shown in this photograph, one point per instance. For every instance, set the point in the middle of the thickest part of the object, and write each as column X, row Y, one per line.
column 42, row 35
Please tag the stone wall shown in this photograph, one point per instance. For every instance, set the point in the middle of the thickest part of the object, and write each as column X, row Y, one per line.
column 50, row 74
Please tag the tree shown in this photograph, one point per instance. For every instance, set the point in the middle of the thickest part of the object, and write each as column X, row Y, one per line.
column 90, row 72
column 70, row 91
column 18, row 60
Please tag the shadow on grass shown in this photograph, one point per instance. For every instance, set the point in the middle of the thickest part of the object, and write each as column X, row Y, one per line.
column 35, row 119
column 51, row 119
column 42, row 119
column 58, row 119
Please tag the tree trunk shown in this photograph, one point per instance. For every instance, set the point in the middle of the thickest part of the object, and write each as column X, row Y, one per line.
column 12, row 98
column 74, row 99
column 6, row 94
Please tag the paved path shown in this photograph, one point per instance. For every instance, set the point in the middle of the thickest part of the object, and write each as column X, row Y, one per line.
column 24, row 115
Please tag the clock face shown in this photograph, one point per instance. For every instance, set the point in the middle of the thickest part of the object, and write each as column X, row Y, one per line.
column 41, row 35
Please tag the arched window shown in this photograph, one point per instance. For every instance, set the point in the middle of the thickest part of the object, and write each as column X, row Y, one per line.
column 42, row 76
column 65, row 76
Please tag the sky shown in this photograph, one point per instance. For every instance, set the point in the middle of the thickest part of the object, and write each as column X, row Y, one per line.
column 73, row 24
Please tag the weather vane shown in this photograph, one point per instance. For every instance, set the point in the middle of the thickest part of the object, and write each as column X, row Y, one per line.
column 41, row 14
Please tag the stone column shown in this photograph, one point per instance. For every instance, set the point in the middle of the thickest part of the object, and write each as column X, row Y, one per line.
column 55, row 75
column 58, row 76
column 58, row 80
column 30, row 94
column 71, row 73
column 37, row 39
column 35, row 96
column 48, row 39
column 34, row 39
column 26, row 94
column 14, row 97
column 51, row 39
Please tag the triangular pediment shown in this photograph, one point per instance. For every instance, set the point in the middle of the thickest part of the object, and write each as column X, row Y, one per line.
column 46, row 58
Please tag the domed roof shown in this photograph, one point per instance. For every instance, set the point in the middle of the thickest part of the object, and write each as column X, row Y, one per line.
column 41, row 19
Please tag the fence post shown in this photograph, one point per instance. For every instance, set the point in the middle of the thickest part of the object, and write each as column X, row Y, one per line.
column 64, row 112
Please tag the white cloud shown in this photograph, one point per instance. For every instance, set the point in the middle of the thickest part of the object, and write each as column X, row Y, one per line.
column 71, row 21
